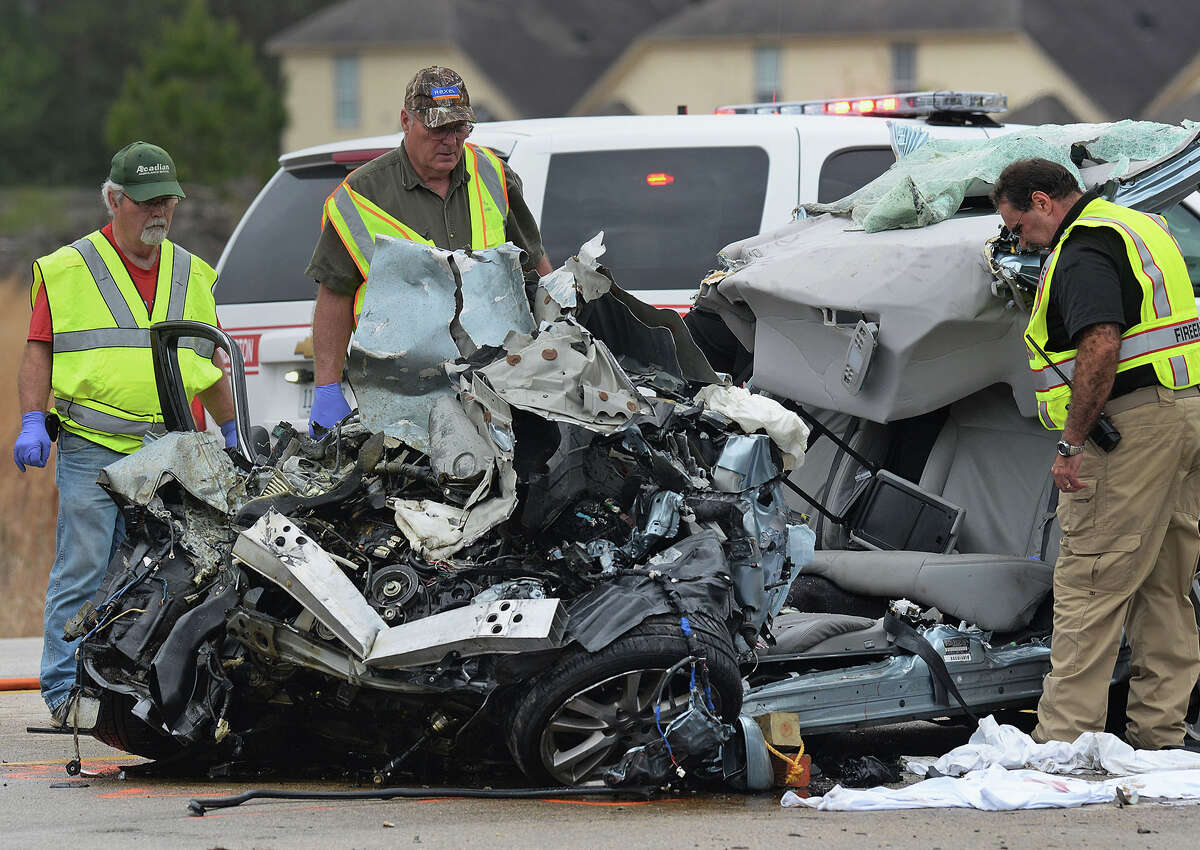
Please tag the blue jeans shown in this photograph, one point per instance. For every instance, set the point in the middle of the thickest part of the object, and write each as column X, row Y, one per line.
column 90, row 528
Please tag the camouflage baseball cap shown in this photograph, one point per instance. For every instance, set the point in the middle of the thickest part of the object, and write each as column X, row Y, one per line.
column 437, row 96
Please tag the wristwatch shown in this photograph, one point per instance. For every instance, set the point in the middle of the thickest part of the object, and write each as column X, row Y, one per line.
column 1067, row 450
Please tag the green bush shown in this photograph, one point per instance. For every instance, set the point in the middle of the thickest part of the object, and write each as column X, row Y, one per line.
column 198, row 93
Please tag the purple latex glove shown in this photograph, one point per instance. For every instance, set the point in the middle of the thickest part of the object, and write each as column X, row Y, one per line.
column 33, row 443
column 329, row 406
column 229, row 432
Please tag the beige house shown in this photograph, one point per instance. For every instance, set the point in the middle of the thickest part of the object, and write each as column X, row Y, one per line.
column 345, row 67
column 357, row 90
column 1057, row 60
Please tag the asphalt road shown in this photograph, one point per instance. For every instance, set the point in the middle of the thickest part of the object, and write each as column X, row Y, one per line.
column 40, row 806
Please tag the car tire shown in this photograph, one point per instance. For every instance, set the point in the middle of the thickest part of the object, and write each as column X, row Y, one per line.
column 544, row 727
column 117, row 726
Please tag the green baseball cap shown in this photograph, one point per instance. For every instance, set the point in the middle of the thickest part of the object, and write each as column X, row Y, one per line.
column 146, row 171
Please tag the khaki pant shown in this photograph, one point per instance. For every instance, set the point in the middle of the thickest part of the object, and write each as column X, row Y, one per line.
column 1128, row 555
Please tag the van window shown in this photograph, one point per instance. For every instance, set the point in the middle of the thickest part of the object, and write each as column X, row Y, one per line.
column 849, row 170
column 665, row 212
column 1185, row 227
column 268, row 260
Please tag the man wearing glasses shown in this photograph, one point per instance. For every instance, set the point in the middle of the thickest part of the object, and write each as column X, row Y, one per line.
column 1115, row 313
column 88, row 342
column 436, row 189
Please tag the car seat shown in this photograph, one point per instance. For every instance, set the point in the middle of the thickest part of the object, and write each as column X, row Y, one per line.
column 992, row 462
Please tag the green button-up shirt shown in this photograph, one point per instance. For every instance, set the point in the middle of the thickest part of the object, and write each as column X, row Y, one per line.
column 391, row 182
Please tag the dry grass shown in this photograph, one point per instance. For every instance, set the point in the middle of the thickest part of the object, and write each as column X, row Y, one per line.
column 28, row 501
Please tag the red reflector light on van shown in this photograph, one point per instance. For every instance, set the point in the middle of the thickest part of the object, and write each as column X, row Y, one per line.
column 725, row 110
column 659, row 178
column 359, row 155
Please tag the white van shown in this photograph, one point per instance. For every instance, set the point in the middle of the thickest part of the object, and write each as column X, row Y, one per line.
column 668, row 191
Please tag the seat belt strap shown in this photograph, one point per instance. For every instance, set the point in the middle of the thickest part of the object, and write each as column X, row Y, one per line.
column 908, row 638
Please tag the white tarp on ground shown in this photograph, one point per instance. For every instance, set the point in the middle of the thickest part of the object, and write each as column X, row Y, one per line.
column 990, row 772
column 995, row 789
column 994, row 744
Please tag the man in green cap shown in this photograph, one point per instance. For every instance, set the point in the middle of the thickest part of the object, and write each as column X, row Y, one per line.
column 436, row 189
column 93, row 303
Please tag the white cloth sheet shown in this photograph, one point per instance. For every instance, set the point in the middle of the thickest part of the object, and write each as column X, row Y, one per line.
column 995, row 789
column 1092, row 752
column 1001, row 768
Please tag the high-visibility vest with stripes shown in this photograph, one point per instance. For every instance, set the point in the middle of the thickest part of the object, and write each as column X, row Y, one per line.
column 1167, row 334
column 357, row 220
column 103, row 373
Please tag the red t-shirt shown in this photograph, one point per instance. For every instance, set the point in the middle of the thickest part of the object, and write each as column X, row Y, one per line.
column 41, row 328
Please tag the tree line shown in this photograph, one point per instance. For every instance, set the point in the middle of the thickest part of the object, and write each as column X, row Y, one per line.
column 79, row 79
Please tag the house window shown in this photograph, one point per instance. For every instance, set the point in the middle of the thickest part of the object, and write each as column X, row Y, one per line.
column 904, row 66
column 766, row 74
column 346, row 96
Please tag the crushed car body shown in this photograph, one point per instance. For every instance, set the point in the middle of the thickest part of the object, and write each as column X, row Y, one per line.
column 884, row 308
column 894, row 324
column 552, row 535
column 532, row 536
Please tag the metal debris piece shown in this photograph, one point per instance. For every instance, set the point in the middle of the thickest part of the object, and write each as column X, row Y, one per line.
column 493, row 294
column 457, row 450
column 566, row 387
column 402, row 338
column 278, row 548
column 590, row 282
column 195, row 459
column 744, row 463
column 505, row 626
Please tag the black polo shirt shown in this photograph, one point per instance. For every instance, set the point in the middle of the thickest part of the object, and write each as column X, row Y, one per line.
column 1094, row 284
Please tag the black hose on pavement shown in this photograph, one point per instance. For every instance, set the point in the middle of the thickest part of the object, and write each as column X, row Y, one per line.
column 198, row 807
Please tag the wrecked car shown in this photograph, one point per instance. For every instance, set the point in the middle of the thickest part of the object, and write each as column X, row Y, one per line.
column 539, row 536
column 893, row 321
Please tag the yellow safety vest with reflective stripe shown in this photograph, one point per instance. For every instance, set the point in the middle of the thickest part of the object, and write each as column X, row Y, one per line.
column 1167, row 335
column 357, row 220
column 103, row 373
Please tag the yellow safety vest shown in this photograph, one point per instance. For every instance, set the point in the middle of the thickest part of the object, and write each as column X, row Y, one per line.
column 103, row 373
column 1167, row 336
column 357, row 220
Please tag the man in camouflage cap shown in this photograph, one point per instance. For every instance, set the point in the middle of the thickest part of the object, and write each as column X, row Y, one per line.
column 438, row 96
column 434, row 188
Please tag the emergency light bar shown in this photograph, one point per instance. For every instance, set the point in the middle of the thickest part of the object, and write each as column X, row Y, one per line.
column 908, row 104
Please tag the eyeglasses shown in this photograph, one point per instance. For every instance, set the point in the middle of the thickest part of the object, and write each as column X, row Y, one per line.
column 1015, row 230
column 163, row 201
column 460, row 130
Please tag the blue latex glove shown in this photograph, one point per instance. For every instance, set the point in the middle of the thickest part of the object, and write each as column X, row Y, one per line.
column 329, row 406
column 229, row 432
column 33, row 443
